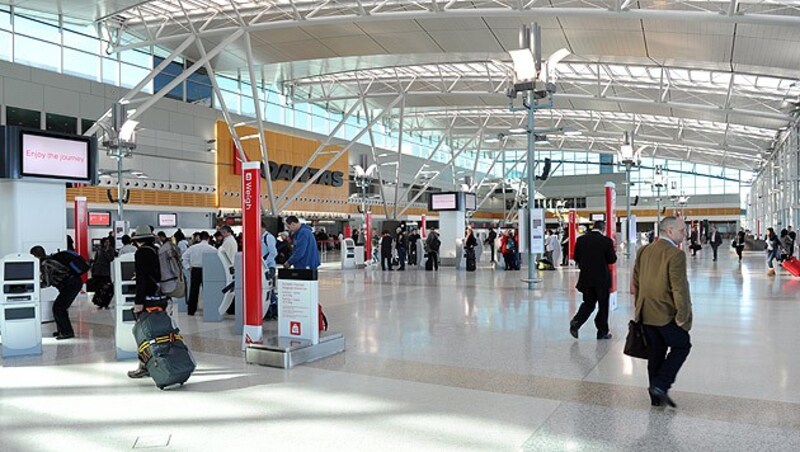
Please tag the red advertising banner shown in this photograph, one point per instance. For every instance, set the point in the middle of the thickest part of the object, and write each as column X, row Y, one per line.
column 251, row 254
column 611, row 232
column 573, row 233
column 82, row 228
column 368, row 235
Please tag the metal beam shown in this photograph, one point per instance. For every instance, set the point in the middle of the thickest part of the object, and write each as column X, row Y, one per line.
column 368, row 115
column 262, row 140
column 399, row 156
column 338, row 154
column 599, row 14
column 430, row 181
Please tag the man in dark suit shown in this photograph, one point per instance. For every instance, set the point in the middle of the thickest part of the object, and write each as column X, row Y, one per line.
column 664, row 305
column 594, row 252
column 715, row 241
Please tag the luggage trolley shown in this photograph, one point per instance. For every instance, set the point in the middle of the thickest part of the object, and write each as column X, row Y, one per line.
column 20, row 320
column 124, row 296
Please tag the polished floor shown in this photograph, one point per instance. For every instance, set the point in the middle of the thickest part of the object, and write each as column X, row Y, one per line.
column 436, row 361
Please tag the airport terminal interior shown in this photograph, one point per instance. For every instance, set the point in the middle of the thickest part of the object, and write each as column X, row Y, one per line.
column 363, row 134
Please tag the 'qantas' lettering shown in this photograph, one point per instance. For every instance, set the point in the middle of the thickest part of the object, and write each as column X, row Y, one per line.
column 288, row 172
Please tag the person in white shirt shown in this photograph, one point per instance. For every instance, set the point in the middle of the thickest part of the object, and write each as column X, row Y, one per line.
column 268, row 253
column 229, row 247
column 193, row 261
column 127, row 245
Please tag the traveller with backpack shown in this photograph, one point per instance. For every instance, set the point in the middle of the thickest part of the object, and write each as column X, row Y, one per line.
column 432, row 243
column 509, row 246
column 470, row 243
column 62, row 270
column 172, row 282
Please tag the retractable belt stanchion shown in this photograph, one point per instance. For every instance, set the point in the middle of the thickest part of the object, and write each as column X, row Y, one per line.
column 124, row 296
column 20, row 324
column 299, row 339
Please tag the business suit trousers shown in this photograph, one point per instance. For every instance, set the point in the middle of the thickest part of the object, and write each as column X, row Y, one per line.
column 714, row 247
column 594, row 296
column 663, row 367
column 194, row 290
column 66, row 295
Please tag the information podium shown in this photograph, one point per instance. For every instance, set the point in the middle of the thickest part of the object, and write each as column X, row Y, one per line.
column 20, row 324
column 125, row 295
column 299, row 339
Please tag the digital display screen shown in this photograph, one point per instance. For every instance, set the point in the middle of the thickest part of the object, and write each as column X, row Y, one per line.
column 444, row 201
column 167, row 220
column 128, row 270
column 597, row 217
column 18, row 271
column 57, row 158
column 470, row 201
column 100, row 219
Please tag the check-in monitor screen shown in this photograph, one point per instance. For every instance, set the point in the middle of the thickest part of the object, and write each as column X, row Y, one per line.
column 128, row 270
column 167, row 220
column 18, row 271
column 57, row 158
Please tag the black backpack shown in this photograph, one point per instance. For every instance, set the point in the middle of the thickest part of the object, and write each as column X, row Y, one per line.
column 73, row 261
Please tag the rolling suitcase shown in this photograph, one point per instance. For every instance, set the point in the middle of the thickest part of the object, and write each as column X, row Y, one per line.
column 429, row 264
column 162, row 350
column 792, row 265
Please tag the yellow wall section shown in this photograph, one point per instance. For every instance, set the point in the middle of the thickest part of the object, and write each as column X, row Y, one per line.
column 282, row 149
column 144, row 197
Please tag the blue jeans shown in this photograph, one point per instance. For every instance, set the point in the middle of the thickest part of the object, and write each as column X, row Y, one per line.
column 771, row 255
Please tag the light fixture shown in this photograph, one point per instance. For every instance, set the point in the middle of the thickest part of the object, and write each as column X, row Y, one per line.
column 524, row 65
column 517, row 130
column 573, row 133
column 127, row 130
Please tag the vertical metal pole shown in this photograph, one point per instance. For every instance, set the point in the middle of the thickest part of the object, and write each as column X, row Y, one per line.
column 531, row 188
column 120, row 195
column 628, row 202
column 658, row 210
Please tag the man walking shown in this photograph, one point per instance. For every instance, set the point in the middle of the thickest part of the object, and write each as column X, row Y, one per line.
column 594, row 252
column 664, row 306
column 386, row 250
column 68, row 283
column 716, row 241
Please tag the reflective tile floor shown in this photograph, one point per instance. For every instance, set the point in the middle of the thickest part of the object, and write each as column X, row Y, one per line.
column 436, row 361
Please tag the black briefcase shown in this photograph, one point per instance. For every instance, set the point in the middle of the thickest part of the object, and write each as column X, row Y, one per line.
column 636, row 341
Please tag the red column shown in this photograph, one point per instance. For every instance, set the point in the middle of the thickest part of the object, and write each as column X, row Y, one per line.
column 573, row 233
column 348, row 231
column 368, row 235
column 611, row 227
column 251, row 255
column 82, row 228
column 422, row 226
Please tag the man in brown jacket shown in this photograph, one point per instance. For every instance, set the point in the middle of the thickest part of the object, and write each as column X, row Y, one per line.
column 664, row 306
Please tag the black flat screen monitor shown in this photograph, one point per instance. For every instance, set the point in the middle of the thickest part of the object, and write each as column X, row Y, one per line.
column 128, row 270
column 18, row 271
column 55, row 157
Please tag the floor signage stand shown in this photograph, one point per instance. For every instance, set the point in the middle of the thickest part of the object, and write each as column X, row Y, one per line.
column 299, row 339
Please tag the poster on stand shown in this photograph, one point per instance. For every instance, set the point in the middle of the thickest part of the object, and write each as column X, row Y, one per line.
column 298, row 304
column 536, row 225
column 611, row 232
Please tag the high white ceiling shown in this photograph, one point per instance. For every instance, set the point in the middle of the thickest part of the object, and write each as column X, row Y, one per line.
column 699, row 80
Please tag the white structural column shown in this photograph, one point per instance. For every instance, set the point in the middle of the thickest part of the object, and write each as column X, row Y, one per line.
column 399, row 158
column 368, row 115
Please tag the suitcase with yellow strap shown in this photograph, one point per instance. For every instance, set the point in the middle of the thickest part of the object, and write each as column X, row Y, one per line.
column 162, row 350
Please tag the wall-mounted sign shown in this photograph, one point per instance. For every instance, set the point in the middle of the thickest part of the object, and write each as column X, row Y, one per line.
column 102, row 219
column 167, row 220
column 286, row 172
column 30, row 153
column 440, row 202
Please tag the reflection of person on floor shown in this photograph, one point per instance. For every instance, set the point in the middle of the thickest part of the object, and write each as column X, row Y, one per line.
column 664, row 306
column 56, row 274
column 594, row 252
